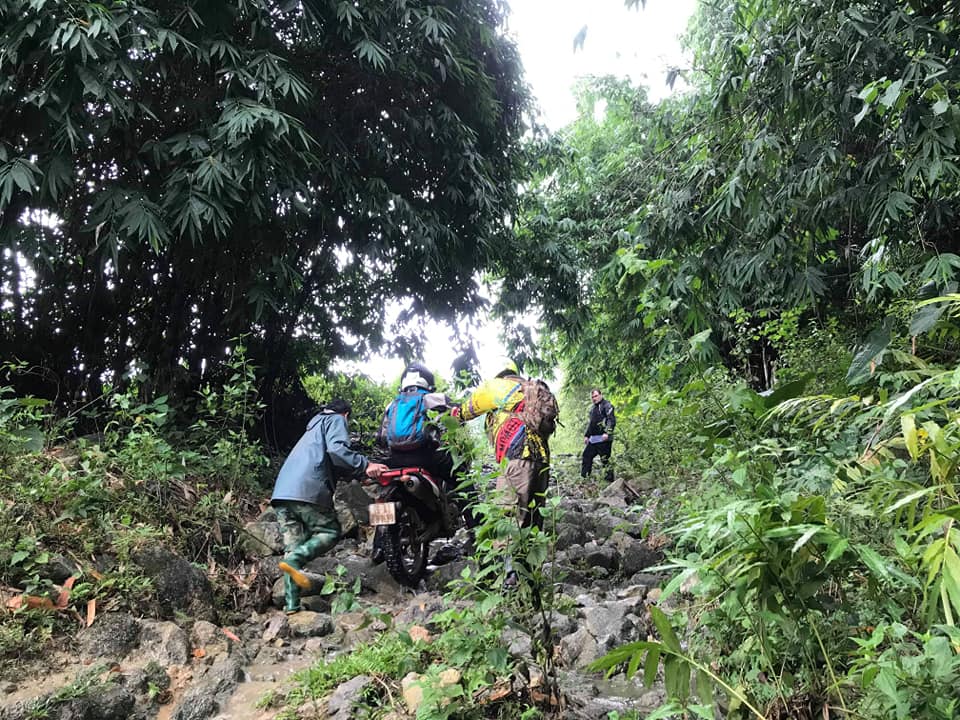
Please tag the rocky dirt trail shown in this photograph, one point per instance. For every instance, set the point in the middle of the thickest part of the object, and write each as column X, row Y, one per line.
column 183, row 665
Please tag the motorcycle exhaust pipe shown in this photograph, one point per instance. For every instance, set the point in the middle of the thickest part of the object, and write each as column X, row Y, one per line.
column 420, row 489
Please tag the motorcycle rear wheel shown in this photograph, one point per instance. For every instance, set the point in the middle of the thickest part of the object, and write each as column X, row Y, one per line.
column 406, row 556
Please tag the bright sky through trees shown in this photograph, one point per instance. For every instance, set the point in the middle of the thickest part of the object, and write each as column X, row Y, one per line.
column 640, row 43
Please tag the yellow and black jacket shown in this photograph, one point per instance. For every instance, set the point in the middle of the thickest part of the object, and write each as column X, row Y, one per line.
column 500, row 399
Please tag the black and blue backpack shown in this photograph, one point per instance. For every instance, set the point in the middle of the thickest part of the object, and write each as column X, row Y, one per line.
column 407, row 420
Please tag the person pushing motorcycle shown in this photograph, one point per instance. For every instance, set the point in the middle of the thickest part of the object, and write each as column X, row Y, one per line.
column 303, row 494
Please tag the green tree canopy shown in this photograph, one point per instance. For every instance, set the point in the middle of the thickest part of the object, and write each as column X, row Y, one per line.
column 812, row 165
column 173, row 175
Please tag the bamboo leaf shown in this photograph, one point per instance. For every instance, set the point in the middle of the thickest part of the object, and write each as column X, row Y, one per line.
column 662, row 622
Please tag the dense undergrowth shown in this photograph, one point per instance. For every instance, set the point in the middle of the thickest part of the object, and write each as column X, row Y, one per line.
column 815, row 565
column 816, row 539
column 81, row 507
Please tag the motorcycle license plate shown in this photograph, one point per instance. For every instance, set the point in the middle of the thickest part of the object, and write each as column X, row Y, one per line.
column 383, row 513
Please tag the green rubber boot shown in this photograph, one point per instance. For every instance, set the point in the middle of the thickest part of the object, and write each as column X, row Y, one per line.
column 291, row 596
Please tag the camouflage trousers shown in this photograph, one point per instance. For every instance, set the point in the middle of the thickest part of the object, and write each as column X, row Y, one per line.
column 308, row 532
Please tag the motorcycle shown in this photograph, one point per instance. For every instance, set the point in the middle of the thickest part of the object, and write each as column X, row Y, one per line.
column 413, row 509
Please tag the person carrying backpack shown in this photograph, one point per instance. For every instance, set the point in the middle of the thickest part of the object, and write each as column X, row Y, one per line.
column 521, row 415
column 406, row 432
column 412, row 440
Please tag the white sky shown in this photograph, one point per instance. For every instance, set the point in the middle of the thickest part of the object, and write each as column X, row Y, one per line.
column 641, row 44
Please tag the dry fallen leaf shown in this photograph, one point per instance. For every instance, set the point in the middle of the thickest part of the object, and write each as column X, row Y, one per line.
column 91, row 611
column 199, row 652
column 64, row 597
column 30, row 601
column 230, row 634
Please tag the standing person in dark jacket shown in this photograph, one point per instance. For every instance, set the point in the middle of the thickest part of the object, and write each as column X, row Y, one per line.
column 303, row 494
column 598, row 437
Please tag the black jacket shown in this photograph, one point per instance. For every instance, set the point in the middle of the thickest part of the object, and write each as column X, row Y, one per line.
column 602, row 419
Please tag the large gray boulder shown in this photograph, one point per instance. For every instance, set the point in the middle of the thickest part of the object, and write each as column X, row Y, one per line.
column 262, row 539
column 179, row 585
column 164, row 642
column 112, row 637
column 341, row 703
column 101, row 702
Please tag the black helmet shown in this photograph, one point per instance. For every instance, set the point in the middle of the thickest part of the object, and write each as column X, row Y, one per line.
column 417, row 375
column 338, row 406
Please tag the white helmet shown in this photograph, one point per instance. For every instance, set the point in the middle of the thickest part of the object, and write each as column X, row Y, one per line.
column 417, row 375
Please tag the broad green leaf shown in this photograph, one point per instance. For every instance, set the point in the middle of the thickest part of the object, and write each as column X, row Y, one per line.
column 805, row 538
column 662, row 622
column 892, row 93
column 909, row 429
column 650, row 667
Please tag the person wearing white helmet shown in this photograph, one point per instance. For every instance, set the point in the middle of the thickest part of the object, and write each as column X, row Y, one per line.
column 409, row 436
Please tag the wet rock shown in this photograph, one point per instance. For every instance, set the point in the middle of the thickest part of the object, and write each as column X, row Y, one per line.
column 268, row 568
column 637, row 557
column 518, row 643
column 442, row 576
column 347, row 695
column 262, row 539
column 163, row 642
column 570, row 534
column 208, row 694
column 648, row 580
column 113, row 636
column 277, row 626
column 58, row 569
column 179, row 585
column 103, row 702
column 609, row 619
column 420, row 609
column 633, row 591
column 309, row 624
column 590, row 697
column 354, row 628
column 603, row 556
column 210, row 637
column 616, row 495
column 353, row 498
column 578, row 649
column 373, row 578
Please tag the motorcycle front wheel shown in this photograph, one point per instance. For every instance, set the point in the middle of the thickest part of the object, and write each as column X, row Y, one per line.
column 406, row 554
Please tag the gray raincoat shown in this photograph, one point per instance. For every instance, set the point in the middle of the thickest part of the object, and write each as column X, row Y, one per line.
column 307, row 474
